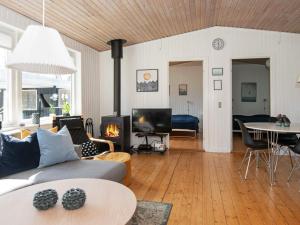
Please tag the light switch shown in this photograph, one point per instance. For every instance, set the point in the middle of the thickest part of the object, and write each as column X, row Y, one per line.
column 220, row 105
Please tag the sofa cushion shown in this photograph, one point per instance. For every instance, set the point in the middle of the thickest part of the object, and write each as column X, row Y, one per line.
column 18, row 155
column 89, row 149
column 25, row 133
column 114, row 171
column 55, row 148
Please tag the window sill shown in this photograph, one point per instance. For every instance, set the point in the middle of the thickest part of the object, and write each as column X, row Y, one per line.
column 17, row 129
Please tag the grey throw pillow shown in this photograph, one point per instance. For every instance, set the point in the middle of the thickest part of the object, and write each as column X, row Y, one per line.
column 55, row 147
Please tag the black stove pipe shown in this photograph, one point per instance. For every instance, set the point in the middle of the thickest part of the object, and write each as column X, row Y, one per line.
column 117, row 55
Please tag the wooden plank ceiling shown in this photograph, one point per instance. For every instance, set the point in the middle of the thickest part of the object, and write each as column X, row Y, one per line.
column 94, row 22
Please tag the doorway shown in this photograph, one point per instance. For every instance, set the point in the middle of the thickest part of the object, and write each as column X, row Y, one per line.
column 186, row 102
column 250, row 94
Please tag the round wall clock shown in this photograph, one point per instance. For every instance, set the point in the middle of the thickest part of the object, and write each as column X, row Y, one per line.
column 218, row 44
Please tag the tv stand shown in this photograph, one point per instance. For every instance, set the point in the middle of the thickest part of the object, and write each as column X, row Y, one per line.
column 147, row 147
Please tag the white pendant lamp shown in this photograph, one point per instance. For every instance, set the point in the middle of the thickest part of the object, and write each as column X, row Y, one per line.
column 41, row 50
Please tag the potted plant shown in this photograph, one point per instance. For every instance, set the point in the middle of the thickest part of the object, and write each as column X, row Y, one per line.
column 66, row 108
column 52, row 111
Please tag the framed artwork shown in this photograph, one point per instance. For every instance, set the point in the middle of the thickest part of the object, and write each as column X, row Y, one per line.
column 217, row 85
column 217, row 71
column 147, row 80
column 182, row 89
column 248, row 92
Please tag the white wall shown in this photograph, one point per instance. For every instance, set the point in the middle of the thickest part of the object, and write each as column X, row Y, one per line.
column 254, row 73
column 90, row 81
column 282, row 48
column 192, row 75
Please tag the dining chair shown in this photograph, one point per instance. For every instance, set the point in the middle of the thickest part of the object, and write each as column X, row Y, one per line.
column 285, row 142
column 255, row 148
column 296, row 163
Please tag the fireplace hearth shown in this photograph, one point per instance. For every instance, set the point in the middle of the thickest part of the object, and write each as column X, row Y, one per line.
column 117, row 130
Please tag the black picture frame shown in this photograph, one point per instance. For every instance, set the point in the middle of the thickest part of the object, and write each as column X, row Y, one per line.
column 248, row 91
column 183, row 89
column 217, row 71
column 151, row 86
column 218, row 86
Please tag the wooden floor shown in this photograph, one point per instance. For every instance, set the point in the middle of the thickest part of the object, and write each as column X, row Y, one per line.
column 205, row 188
column 187, row 143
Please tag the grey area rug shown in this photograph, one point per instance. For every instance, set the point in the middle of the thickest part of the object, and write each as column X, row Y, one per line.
column 151, row 213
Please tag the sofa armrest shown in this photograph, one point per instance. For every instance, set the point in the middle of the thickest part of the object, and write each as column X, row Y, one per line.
column 110, row 143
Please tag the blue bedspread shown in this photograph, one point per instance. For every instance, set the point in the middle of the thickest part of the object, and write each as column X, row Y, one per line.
column 185, row 122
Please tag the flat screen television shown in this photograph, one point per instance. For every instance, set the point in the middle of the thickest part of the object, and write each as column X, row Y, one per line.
column 151, row 120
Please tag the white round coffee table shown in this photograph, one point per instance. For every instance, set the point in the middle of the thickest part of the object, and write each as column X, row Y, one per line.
column 107, row 202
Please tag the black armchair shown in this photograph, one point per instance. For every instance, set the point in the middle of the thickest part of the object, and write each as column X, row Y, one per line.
column 79, row 135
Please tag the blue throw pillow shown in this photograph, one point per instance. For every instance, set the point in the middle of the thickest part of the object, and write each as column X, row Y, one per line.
column 55, row 147
column 18, row 155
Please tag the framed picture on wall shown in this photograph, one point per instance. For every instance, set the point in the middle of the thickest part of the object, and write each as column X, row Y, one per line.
column 147, row 80
column 182, row 89
column 217, row 85
column 248, row 92
column 217, row 71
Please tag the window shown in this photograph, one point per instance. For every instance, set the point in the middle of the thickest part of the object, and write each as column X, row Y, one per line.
column 64, row 95
column 29, row 100
column 3, row 83
column 56, row 89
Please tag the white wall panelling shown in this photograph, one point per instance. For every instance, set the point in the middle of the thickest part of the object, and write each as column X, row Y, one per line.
column 282, row 48
column 90, row 79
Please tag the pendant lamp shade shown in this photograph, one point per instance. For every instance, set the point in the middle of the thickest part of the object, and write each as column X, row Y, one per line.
column 41, row 50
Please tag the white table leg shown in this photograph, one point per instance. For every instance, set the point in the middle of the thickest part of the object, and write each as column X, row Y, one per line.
column 272, row 137
column 257, row 135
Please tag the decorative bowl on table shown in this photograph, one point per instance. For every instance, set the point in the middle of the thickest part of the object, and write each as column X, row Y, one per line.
column 73, row 199
column 45, row 199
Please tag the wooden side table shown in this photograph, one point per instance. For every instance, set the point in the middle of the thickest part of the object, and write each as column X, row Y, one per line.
column 119, row 157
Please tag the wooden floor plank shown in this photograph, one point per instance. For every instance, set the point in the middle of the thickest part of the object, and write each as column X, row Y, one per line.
column 207, row 189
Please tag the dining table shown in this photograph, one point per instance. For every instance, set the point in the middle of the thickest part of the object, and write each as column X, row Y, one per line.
column 272, row 131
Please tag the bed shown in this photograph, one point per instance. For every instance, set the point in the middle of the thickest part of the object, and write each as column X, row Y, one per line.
column 187, row 122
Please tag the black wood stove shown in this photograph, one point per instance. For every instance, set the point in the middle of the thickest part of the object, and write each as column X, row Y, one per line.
column 116, row 128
